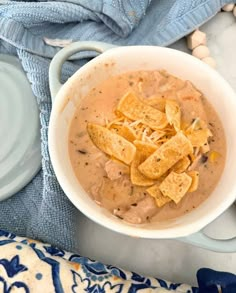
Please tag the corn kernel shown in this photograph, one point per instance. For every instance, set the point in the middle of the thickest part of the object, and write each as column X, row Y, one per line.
column 214, row 156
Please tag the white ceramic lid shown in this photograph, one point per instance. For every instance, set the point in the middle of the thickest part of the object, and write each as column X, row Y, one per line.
column 20, row 156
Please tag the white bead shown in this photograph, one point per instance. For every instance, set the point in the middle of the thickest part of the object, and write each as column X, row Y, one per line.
column 234, row 11
column 228, row 7
column 210, row 61
column 201, row 52
column 195, row 39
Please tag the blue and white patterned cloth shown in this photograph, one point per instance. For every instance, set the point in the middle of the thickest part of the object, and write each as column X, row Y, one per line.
column 41, row 210
column 29, row 266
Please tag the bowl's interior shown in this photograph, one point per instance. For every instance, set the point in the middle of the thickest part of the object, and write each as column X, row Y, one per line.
column 126, row 59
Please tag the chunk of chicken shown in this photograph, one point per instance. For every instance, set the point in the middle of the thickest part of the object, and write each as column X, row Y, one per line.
column 119, row 193
column 191, row 103
column 148, row 84
column 144, row 210
column 115, row 169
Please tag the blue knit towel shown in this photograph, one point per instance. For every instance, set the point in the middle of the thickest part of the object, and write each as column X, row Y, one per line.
column 41, row 210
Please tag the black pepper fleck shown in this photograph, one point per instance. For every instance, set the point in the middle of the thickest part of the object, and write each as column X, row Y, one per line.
column 83, row 152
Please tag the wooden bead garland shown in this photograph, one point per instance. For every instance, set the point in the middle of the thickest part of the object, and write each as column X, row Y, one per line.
column 201, row 52
column 196, row 41
column 228, row 7
column 234, row 11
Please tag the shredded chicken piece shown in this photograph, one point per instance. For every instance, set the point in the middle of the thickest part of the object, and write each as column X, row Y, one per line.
column 119, row 212
column 95, row 192
column 195, row 163
column 115, row 170
column 144, row 210
column 189, row 98
column 196, row 151
column 98, row 202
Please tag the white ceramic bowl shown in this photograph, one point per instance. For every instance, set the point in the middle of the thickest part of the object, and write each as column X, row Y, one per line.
column 216, row 89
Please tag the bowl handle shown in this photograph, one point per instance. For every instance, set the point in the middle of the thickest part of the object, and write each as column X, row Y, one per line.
column 64, row 54
column 218, row 245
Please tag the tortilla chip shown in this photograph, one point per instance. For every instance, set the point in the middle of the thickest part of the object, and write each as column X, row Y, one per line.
column 166, row 156
column 173, row 114
column 199, row 137
column 135, row 109
column 175, row 186
column 111, row 143
column 124, row 131
column 205, row 148
column 136, row 177
column 144, row 150
column 181, row 165
column 156, row 102
column 195, row 180
column 155, row 192
column 184, row 125
column 192, row 157
column 156, row 135
column 145, row 147
column 196, row 124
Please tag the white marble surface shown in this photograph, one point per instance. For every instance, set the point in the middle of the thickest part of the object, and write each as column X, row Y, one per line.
column 171, row 259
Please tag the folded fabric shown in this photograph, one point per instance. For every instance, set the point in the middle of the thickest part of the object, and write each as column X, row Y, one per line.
column 30, row 266
column 41, row 210
column 211, row 281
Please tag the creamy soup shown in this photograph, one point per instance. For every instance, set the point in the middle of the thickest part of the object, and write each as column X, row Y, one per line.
column 107, row 180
